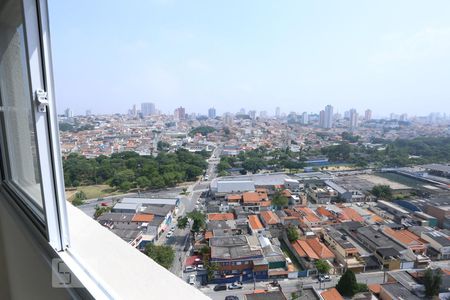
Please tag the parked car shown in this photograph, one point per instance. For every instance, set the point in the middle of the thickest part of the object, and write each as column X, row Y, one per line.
column 104, row 204
column 324, row 278
column 231, row 298
column 200, row 267
column 235, row 286
column 189, row 269
column 192, row 279
column 169, row 234
column 220, row 287
column 271, row 288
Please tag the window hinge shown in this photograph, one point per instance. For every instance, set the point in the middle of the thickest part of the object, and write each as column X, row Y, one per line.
column 42, row 100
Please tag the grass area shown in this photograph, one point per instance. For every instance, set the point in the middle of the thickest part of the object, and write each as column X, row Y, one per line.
column 93, row 191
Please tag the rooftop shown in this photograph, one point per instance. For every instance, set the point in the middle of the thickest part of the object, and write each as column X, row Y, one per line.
column 254, row 222
column 398, row 291
column 220, row 216
column 269, row 217
column 331, row 294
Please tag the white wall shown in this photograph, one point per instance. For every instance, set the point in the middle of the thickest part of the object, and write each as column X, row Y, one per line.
column 25, row 272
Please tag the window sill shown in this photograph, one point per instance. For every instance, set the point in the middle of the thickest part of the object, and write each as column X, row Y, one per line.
column 110, row 268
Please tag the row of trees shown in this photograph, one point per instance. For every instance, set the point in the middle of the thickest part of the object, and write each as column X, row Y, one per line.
column 261, row 158
column 75, row 128
column 397, row 153
column 203, row 130
column 126, row 170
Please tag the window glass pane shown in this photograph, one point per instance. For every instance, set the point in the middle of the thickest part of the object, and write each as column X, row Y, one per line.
column 19, row 143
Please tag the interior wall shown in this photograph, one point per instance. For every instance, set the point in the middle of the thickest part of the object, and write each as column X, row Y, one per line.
column 25, row 270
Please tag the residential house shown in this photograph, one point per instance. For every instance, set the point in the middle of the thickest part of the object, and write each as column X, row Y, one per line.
column 346, row 252
column 269, row 219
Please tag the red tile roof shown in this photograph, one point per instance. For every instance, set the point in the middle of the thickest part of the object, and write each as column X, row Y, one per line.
column 220, row 216
column 145, row 218
column 269, row 217
column 234, row 198
column 374, row 288
column 250, row 197
column 255, row 223
column 352, row 214
column 324, row 212
column 306, row 250
column 331, row 294
column 321, row 250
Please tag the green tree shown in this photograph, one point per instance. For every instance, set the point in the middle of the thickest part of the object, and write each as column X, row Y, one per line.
column 432, row 282
column 279, row 201
column 211, row 268
column 79, row 197
column 382, row 191
column 125, row 186
column 182, row 222
column 143, row 182
column 163, row 146
column 205, row 250
column 347, row 285
column 101, row 210
column 203, row 130
column 198, row 221
column 322, row 266
column 163, row 254
column 292, row 234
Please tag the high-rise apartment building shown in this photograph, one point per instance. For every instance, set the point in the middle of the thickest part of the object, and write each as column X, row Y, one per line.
column 329, row 116
column 322, row 119
column 326, row 117
column 404, row 117
column 353, row 118
column 368, row 115
column 212, row 113
column 277, row 112
column 148, row 109
column 68, row 113
column 180, row 113
column 252, row 114
column 305, row 118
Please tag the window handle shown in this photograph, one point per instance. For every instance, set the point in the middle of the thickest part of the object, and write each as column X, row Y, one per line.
column 42, row 100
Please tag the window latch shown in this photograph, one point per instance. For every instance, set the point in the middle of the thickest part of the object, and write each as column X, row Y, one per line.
column 42, row 100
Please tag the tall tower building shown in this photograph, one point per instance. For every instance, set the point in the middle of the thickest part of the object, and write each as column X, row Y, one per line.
column 212, row 113
column 277, row 112
column 353, row 118
column 148, row 109
column 368, row 115
column 322, row 119
column 404, row 117
column 327, row 117
column 305, row 118
column 180, row 113
column 68, row 113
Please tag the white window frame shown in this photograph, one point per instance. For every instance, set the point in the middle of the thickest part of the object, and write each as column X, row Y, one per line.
column 38, row 57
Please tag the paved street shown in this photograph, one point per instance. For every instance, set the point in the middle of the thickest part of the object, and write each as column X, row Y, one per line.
column 289, row 286
column 187, row 204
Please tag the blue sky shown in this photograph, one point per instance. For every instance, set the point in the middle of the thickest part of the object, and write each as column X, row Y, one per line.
column 390, row 56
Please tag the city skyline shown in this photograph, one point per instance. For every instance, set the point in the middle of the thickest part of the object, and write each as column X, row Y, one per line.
column 329, row 114
column 298, row 56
